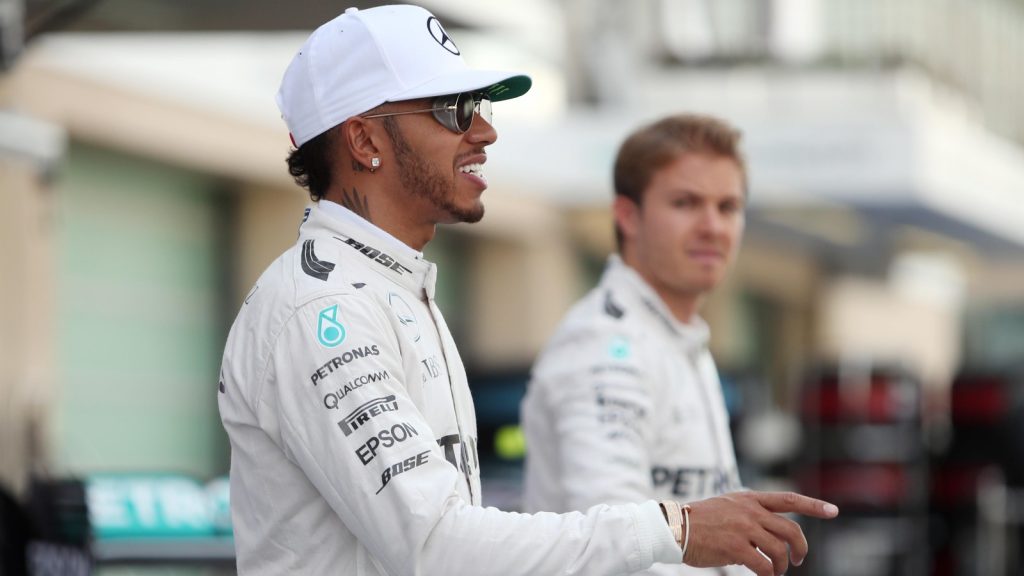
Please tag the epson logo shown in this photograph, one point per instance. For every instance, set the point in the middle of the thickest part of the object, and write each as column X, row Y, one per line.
column 385, row 439
column 364, row 413
column 376, row 255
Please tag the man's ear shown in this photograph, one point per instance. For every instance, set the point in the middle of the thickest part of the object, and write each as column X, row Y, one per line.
column 627, row 216
column 363, row 140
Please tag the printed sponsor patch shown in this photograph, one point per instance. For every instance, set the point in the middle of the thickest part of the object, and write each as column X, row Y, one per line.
column 332, row 399
column 313, row 266
column 619, row 348
column 694, row 482
column 405, row 314
column 611, row 308
column 402, row 467
column 367, row 411
column 329, row 331
column 382, row 258
column 386, row 438
column 344, row 359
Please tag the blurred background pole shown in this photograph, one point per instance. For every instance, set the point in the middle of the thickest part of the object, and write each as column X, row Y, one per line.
column 12, row 33
column 29, row 151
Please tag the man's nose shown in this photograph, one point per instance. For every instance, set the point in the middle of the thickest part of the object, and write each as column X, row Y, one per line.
column 481, row 131
column 712, row 221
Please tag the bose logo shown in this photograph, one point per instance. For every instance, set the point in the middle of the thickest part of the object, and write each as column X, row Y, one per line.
column 402, row 467
column 376, row 255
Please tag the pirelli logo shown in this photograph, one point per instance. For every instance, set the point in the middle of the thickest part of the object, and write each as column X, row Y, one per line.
column 364, row 413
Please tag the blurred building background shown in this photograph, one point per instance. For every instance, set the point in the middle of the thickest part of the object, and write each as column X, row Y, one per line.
column 871, row 335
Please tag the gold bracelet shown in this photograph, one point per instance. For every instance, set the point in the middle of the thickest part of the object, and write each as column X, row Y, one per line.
column 686, row 541
column 674, row 517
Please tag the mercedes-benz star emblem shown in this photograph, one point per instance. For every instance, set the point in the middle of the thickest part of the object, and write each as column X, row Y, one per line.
column 442, row 37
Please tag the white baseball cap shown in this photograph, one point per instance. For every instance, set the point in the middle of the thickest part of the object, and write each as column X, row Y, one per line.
column 364, row 58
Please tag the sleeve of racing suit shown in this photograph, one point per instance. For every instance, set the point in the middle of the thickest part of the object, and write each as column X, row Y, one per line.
column 374, row 459
column 602, row 410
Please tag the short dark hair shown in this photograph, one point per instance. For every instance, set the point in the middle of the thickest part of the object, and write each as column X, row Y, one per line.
column 654, row 146
column 310, row 164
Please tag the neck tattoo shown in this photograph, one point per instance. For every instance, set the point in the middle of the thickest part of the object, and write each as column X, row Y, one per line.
column 356, row 202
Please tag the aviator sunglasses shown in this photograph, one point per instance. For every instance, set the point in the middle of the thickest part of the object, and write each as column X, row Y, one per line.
column 454, row 111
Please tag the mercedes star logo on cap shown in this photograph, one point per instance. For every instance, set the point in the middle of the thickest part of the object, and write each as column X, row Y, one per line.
column 442, row 37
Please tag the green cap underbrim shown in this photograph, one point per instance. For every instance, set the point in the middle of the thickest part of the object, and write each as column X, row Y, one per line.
column 509, row 88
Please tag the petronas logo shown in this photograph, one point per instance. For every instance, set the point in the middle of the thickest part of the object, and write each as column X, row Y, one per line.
column 329, row 331
column 619, row 348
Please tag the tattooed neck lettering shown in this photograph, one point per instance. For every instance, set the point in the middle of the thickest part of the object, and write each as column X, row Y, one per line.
column 356, row 202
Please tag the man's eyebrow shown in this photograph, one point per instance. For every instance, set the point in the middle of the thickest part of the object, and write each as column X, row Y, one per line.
column 685, row 190
column 740, row 198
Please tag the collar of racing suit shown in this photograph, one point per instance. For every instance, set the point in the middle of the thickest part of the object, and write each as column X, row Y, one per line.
column 394, row 260
column 346, row 216
column 621, row 278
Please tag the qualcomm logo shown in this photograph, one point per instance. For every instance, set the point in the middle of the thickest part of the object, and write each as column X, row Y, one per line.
column 329, row 331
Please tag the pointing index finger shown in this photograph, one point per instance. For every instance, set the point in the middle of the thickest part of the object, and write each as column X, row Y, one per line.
column 785, row 502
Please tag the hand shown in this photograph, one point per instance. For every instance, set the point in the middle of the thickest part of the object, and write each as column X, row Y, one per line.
column 730, row 529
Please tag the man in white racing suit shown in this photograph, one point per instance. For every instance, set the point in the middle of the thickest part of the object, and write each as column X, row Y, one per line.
column 353, row 436
column 625, row 403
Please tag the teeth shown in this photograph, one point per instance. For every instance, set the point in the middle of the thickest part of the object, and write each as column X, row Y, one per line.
column 474, row 169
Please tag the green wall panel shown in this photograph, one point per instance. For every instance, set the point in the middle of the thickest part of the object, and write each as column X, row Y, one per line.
column 140, row 326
